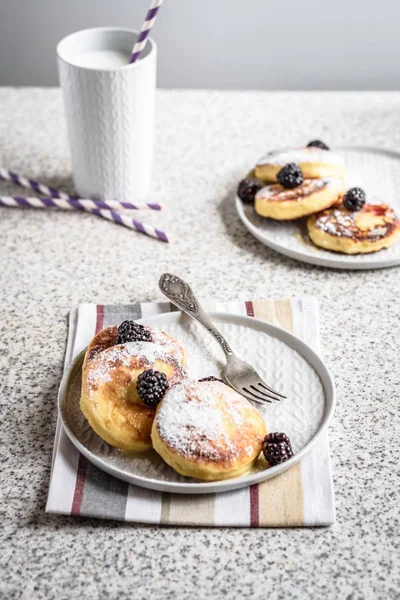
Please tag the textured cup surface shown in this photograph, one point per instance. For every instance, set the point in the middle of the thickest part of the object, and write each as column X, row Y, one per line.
column 110, row 115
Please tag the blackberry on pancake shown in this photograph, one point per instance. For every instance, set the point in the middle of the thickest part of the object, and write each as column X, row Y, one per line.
column 129, row 331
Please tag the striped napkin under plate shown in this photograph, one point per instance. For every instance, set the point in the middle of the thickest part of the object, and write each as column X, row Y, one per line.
column 301, row 496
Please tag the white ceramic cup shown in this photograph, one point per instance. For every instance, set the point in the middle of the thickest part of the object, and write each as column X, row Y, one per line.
column 110, row 114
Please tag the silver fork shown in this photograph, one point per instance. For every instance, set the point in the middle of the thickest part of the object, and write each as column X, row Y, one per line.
column 238, row 374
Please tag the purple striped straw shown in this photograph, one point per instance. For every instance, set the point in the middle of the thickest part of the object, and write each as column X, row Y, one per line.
column 67, row 203
column 45, row 190
column 31, row 184
column 78, row 204
column 145, row 228
column 145, row 31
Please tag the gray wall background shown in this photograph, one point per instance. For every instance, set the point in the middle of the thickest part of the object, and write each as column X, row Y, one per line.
column 224, row 44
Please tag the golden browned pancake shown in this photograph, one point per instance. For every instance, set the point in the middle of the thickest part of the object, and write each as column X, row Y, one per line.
column 314, row 162
column 207, row 430
column 108, row 337
column 109, row 398
column 276, row 202
column 370, row 229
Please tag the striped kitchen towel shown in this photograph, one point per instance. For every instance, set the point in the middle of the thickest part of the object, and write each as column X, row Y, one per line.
column 301, row 496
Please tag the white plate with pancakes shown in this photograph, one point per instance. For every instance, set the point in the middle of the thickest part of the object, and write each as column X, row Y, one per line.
column 288, row 364
column 377, row 172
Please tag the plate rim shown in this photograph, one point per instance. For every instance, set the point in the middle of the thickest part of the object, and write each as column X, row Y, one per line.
column 331, row 263
column 297, row 344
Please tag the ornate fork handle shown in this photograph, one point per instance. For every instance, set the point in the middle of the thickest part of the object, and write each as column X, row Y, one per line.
column 180, row 293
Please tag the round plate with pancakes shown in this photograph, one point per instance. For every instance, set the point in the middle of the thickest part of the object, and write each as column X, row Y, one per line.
column 377, row 172
column 287, row 363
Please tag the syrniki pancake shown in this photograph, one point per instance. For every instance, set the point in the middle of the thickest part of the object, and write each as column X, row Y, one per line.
column 314, row 163
column 108, row 337
column 109, row 398
column 370, row 229
column 313, row 195
column 208, row 431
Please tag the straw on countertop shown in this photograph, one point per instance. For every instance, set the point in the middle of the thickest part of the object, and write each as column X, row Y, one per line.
column 140, row 226
column 45, row 190
column 105, row 212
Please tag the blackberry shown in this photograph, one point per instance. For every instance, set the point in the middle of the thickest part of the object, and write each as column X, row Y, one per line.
column 248, row 188
column 318, row 144
column 290, row 176
column 151, row 386
column 277, row 448
column 129, row 331
column 211, row 378
column 354, row 199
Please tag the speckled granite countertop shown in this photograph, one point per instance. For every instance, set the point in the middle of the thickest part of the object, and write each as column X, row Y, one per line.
column 52, row 260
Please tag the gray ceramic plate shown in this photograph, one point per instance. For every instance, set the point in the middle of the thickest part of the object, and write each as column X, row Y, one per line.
column 286, row 363
column 377, row 172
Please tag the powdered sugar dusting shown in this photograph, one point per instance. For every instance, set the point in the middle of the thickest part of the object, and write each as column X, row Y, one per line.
column 276, row 192
column 343, row 223
column 192, row 421
column 300, row 155
column 163, row 339
column 129, row 355
column 336, row 222
column 147, row 351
